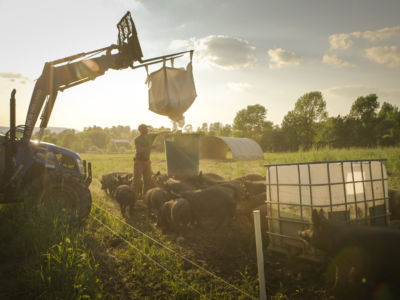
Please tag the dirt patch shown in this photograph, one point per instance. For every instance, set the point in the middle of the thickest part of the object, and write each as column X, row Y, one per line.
column 229, row 252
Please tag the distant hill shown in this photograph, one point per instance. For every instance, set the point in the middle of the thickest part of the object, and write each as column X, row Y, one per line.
column 56, row 130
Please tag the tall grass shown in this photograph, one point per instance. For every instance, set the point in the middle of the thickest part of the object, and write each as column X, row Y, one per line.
column 229, row 168
column 50, row 258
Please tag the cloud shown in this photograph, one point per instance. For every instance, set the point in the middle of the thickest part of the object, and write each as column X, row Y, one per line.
column 15, row 76
column 219, row 51
column 345, row 40
column 381, row 34
column 340, row 41
column 239, row 86
column 386, row 55
column 280, row 58
column 349, row 91
column 353, row 91
column 333, row 60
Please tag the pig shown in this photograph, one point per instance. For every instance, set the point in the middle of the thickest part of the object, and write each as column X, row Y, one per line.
column 236, row 191
column 174, row 215
column 124, row 178
column 164, row 215
column 365, row 257
column 394, row 204
column 250, row 177
column 154, row 199
column 192, row 180
column 208, row 179
column 212, row 201
column 158, row 179
column 253, row 188
column 126, row 198
column 177, row 186
column 252, row 202
column 212, row 176
column 110, row 181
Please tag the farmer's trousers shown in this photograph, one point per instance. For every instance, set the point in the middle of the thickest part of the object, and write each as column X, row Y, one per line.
column 141, row 176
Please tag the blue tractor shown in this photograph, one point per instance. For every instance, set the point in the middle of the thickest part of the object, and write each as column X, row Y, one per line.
column 44, row 175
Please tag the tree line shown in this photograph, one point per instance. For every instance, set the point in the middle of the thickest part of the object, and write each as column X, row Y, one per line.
column 368, row 124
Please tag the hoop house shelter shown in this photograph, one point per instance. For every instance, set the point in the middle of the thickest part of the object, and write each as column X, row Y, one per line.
column 216, row 147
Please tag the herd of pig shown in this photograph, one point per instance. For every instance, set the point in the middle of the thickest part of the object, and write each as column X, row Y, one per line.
column 177, row 204
column 365, row 259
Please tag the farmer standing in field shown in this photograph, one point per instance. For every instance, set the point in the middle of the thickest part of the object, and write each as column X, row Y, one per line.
column 142, row 164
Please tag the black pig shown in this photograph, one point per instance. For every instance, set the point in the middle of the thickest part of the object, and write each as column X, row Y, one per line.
column 214, row 201
column 126, row 198
column 154, row 199
column 394, row 204
column 365, row 257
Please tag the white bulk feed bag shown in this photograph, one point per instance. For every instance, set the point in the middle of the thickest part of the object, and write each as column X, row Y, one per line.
column 171, row 91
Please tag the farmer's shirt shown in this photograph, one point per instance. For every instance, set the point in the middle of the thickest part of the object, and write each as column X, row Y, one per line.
column 144, row 141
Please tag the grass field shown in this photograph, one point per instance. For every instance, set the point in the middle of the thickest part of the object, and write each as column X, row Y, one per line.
column 108, row 258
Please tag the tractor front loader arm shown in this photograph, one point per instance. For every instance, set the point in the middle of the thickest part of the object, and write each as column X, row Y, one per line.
column 73, row 70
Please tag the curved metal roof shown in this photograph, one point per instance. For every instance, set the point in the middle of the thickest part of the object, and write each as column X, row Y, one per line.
column 216, row 147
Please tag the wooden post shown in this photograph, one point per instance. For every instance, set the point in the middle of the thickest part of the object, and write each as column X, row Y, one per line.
column 260, row 255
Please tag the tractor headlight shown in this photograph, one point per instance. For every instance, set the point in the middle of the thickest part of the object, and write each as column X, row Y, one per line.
column 80, row 166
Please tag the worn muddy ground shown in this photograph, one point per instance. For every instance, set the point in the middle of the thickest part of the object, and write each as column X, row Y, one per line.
column 229, row 252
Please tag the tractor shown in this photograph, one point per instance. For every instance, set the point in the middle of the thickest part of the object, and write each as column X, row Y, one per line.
column 43, row 175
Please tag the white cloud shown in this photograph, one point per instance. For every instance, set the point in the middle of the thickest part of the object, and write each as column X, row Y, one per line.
column 12, row 76
column 333, row 60
column 239, row 86
column 345, row 41
column 351, row 91
column 386, row 55
column 340, row 41
column 280, row 58
column 381, row 34
column 219, row 51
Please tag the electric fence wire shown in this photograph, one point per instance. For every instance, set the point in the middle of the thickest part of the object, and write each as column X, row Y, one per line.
column 148, row 257
column 177, row 254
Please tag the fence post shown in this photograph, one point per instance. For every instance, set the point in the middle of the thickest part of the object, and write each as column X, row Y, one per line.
column 260, row 255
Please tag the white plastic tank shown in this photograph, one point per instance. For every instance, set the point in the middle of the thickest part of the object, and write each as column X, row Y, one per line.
column 350, row 191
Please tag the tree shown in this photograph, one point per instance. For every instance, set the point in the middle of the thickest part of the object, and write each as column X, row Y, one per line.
column 204, row 128
column 250, row 122
column 215, row 128
column 226, row 130
column 364, row 108
column 95, row 136
column 300, row 124
column 388, row 129
column 363, row 111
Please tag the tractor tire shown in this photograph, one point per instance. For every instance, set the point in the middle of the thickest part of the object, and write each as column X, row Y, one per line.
column 57, row 194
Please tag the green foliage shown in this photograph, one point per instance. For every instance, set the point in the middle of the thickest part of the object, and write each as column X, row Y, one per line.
column 250, row 121
column 50, row 258
column 305, row 127
column 364, row 108
column 300, row 125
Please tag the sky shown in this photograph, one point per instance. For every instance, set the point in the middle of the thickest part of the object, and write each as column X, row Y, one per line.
column 250, row 52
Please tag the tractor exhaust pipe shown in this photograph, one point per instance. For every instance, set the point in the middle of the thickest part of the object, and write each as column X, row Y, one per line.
column 12, row 117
